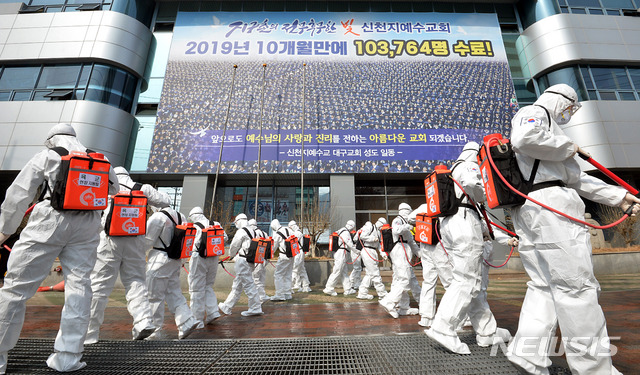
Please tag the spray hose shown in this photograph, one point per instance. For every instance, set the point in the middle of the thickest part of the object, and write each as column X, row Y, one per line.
column 624, row 217
column 225, row 268
column 25, row 214
column 355, row 260
column 406, row 256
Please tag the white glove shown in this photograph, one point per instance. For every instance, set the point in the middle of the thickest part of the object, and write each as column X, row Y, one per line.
column 513, row 242
column 628, row 201
column 3, row 237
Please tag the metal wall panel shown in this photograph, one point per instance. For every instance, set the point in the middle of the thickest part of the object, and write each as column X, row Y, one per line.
column 565, row 39
column 81, row 36
column 609, row 131
column 100, row 127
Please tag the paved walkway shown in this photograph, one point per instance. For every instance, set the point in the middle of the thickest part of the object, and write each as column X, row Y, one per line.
column 309, row 316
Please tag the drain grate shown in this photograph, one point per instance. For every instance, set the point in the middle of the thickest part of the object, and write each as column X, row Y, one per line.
column 402, row 354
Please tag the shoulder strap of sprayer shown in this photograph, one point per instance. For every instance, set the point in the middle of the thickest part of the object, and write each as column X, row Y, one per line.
column 536, row 163
column 174, row 224
column 199, row 225
column 248, row 232
column 340, row 239
column 46, row 187
column 284, row 237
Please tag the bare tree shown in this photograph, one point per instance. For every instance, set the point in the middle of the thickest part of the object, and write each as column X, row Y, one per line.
column 222, row 212
column 628, row 229
column 316, row 220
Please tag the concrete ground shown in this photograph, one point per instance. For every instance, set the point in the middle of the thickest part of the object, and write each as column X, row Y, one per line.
column 315, row 315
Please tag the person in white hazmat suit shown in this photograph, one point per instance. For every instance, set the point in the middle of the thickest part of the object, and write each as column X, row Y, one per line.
column 71, row 236
column 396, row 302
column 355, row 256
column 339, row 271
column 299, row 278
column 369, row 234
column 244, row 279
column 163, row 276
column 462, row 236
column 284, row 267
column 123, row 255
column 259, row 273
column 435, row 265
column 556, row 252
column 202, row 274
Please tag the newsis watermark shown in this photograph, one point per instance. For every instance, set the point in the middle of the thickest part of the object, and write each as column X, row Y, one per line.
column 544, row 346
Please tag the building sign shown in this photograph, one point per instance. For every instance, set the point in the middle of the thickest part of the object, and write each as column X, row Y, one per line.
column 379, row 92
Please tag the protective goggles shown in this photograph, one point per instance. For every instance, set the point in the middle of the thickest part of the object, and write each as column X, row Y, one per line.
column 573, row 108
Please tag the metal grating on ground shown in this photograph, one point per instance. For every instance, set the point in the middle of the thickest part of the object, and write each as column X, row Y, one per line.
column 403, row 354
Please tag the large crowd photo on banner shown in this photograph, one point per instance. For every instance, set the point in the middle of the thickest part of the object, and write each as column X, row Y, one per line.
column 379, row 92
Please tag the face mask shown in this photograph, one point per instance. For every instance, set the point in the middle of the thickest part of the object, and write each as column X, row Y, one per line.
column 564, row 117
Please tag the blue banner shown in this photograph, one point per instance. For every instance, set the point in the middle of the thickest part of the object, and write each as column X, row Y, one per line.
column 371, row 92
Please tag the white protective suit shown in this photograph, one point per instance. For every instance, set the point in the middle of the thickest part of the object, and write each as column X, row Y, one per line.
column 355, row 277
column 284, row 268
column 124, row 255
column 299, row 278
column 259, row 273
column 396, row 302
column 163, row 277
column 462, row 237
column 71, row 236
column 339, row 271
column 370, row 237
column 202, row 275
column 556, row 252
column 244, row 280
column 435, row 264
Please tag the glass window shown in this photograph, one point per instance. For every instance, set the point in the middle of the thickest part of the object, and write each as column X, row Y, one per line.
column 5, row 96
column 586, row 77
column 506, row 13
column 610, row 78
column 423, row 7
column 109, row 85
column 593, row 95
column 209, row 6
column 167, row 11
column 484, row 8
column 464, row 8
column 627, row 96
column 620, row 4
column 380, row 6
column 522, row 93
column 189, row 6
column 443, row 7
column 400, row 6
column 370, row 203
column 584, row 3
column 337, row 6
column 231, row 6
column 14, row 78
column 578, row 11
column 635, row 77
column 46, row 2
column 317, row 6
column 59, row 76
column 599, row 12
column 84, row 76
column 613, row 12
column 296, row 6
column 564, row 9
column 606, row 95
column 22, row 96
column 358, row 6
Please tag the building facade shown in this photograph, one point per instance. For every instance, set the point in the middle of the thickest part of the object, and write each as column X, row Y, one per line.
column 101, row 66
